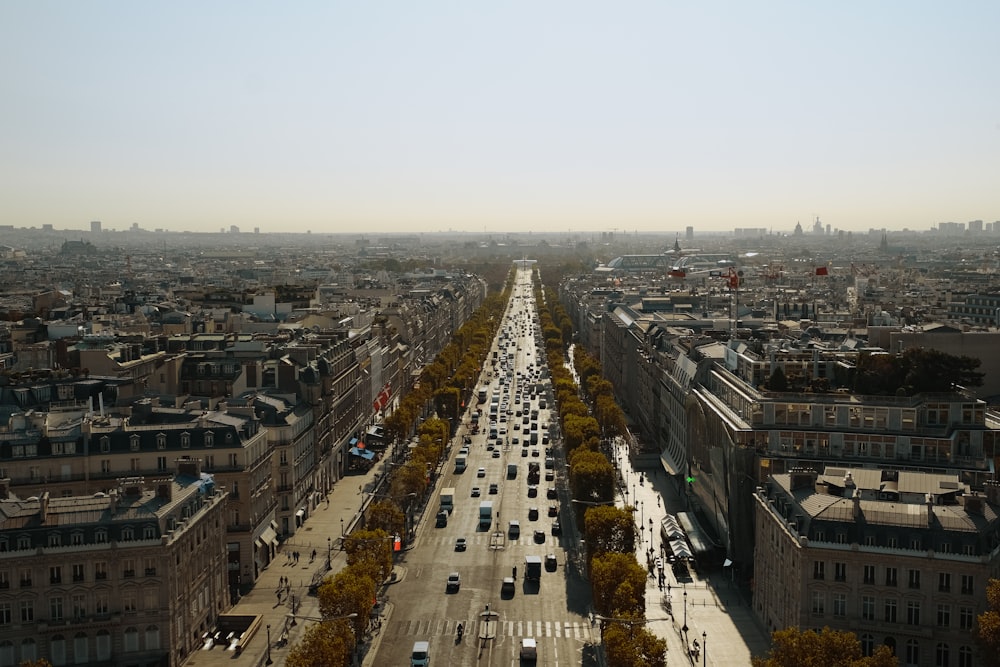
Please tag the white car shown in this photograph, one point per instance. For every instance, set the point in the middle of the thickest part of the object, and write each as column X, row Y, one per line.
column 481, row 472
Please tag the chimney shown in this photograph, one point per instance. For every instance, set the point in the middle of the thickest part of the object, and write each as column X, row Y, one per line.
column 113, row 501
column 992, row 489
column 43, row 506
column 856, row 501
column 929, row 502
column 5, row 488
column 849, row 480
column 974, row 504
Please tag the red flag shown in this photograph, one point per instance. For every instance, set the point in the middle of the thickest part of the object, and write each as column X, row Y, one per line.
column 822, row 271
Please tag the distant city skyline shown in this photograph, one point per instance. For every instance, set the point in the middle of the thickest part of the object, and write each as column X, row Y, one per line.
column 332, row 117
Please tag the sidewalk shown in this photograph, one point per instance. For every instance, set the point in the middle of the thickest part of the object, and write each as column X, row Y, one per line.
column 714, row 605
column 321, row 532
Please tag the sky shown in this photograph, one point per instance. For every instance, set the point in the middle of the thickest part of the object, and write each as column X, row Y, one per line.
column 514, row 116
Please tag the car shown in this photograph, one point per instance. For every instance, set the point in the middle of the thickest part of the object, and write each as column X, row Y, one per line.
column 496, row 453
column 421, row 655
column 551, row 493
column 507, row 587
column 494, row 489
column 464, row 451
column 515, row 441
column 524, row 453
column 545, row 439
column 532, row 491
column 550, row 563
column 534, row 452
column 460, row 544
column 553, row 510
column 490, row 446
column 539, row 536
column 442, row 519
column 556, row 528
column 529, row 650
column 532, row 513
column 454, row 582
column 476, row 491
column 517, row 427
column 550, row 475
column 481, row 472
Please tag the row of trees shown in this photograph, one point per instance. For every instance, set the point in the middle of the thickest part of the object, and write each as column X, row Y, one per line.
column 347, row 598
column 618, row 582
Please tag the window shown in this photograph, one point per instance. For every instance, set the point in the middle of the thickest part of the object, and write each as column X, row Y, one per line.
column 101, row 536
column 78, row 572
column 944, row 582
column 128, row 601
column 889, row 608
column 128, row 534
column 27, row 611
column 840, row 571
column 55, row 540
column 128, row 568
column 209, row 462
column 151, row 598
column 55, row 574
column 966, row 617
column 819, row 568
column 79, row 603
column 5, row 613
column 131, row 640
column 105, row 444
column 867, row 645
column 4, row 579
column 914, row 578
column 56, row 608
column 149, row 567
column 964, row 656
column 101, row 604
column 967, row 583
column 106, row 466
column 892, row 542
column 916, row 544
column 161, row 463
column 133, row 442
column 890, row 576
column 209, row 439
column 26, row 577
column 76, row 538
column 135, row 464
column 234, row 460
column 943, row 615
column 912, row 612
column 149, row 533
column 869, row 574
column 818, row 602
column 840, row 604
column 185, row 440
column 161, row 440
column 100, row 570
column 868, row 607
column 912, row 652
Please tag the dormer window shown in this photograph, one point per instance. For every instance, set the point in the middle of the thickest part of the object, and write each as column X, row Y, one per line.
column 209, row 439
column 105, row 444
column 185, row 440
column 161, row 440
column 76, row 538
column 128, row 534
column 23, row 542
column 55, row 540
column 149, row 533
column 133, row 442
column 101, row 536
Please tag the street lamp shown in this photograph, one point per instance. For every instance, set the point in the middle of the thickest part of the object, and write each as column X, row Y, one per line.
column 341, row 526
column 269, row 661
column 685, row 628
column 704, row 649
column 329, row 546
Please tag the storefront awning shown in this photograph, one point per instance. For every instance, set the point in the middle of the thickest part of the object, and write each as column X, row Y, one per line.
column 363, row 453
column 269, row 536
column 353, row 442
column 301, row 513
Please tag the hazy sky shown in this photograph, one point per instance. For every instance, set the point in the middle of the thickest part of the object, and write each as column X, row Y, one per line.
column 542, row 115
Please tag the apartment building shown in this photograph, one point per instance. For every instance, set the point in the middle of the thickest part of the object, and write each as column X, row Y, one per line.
column 899, row 558
column 131, row 576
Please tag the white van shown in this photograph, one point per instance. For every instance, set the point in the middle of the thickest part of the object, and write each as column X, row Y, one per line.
column 421, row 655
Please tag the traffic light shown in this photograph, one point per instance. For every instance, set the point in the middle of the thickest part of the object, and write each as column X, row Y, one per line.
column 689, row 479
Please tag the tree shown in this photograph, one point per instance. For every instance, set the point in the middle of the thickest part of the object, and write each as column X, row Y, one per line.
column 325, row 644
column 609, row 529
column 350, row 591
column 618, row 585
column 630, row 645
column 372, row 550
column 792, row 647
column 385, row 515
column 591, row 476
column 777, row 381
column 988, row 626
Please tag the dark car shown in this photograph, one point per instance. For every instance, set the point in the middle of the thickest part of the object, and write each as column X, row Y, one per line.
column 551, row 493
column 556, row 528
column 533, row 514
column 539, row 536
column 553, row 510
column 532, row 491
column 442, row 519
column 550, row 563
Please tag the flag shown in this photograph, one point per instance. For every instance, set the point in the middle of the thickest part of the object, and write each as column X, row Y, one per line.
column 822, row 271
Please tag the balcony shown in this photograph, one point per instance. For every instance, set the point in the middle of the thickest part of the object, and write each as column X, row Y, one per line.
column 128, row 574
column 150, row 571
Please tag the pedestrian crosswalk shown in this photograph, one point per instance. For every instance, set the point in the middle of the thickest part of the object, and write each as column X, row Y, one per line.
column 581, row 630
column 486, row 541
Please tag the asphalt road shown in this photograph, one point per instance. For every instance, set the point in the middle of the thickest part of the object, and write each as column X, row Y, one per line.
column 552, row 610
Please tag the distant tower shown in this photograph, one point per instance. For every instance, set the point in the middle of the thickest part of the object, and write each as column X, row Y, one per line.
column 798, row 229
column 689, row 233
column 677, row 243
column 817, row 227
column 95, row 226
column 883, row 246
